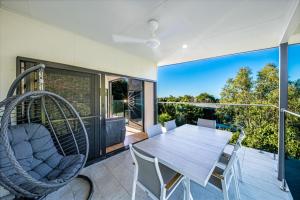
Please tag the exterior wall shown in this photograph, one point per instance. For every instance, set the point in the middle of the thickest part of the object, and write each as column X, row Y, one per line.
column 149, row 104
column 23, row 36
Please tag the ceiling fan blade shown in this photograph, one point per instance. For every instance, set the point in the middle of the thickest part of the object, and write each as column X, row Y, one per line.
column 127, row 39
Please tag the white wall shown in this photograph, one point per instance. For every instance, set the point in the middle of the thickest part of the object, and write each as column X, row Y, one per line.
column 23, row 36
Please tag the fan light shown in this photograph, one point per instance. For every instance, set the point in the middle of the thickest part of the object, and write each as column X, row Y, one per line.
column 153, row 43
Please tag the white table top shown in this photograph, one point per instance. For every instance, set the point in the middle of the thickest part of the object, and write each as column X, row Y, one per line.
column 190, row 150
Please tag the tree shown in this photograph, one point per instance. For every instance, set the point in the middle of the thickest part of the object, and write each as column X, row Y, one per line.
column 267, row 83
column 119, row 89
column 205, row 98
column 169, row 99
column 186, row 98
column 237, row 90
column 260, row 123
column 297, row 84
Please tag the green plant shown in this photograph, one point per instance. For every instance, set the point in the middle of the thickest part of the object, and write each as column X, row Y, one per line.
column 164, row 117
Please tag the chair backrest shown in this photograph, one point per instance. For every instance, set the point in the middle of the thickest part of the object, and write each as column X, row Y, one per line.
column 239, row 141
column 147, row 171
column 169, row 125
column 154, row 130
column 229, row 170
column 115, row 130
column 207, row 123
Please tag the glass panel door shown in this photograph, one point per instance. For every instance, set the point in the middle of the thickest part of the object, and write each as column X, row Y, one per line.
column 135, row 104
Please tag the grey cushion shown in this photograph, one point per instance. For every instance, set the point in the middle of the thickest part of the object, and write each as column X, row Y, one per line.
column 67, row 167
column 36, row 153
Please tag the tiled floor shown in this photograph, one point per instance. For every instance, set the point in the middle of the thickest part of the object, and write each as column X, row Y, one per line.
column 113, row 180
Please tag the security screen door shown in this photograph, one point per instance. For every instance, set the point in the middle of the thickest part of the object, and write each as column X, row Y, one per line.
column 81, row 89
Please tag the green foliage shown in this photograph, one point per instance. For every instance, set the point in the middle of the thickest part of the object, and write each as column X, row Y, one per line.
column 164, row 117
column 186, row 98
column 169, row 99
column 185, row 113
column 201, row 98
column 206, row 98
column 119, row 89
column 234, row 137
column 260, row 123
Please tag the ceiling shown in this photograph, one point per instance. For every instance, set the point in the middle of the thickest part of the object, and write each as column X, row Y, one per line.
column 209, row 27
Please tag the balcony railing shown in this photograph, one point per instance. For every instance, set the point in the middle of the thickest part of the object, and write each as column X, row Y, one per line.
column 291, row 164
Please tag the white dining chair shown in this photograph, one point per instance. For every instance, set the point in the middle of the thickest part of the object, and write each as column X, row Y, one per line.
column 170, row 125
column 158, row 180
column 207, row 123
column 154, row 130
column 225, row 157
column 221, row 178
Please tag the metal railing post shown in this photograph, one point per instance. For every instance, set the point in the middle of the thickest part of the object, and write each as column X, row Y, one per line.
column 283, row 104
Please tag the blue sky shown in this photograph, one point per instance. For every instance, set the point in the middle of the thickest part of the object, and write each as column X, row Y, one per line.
column 210, row 75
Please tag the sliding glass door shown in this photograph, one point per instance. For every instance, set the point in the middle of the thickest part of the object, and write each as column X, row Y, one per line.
column 136, row 104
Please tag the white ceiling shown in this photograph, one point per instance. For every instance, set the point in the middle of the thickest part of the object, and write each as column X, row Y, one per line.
column 209, row 27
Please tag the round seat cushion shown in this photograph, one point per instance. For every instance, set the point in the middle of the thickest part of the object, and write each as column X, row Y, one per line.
column 35, row 151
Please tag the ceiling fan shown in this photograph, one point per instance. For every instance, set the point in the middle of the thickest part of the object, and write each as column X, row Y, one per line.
column 152, row 42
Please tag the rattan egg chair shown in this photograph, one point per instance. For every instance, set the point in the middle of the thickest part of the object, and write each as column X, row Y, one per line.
column 43, row 141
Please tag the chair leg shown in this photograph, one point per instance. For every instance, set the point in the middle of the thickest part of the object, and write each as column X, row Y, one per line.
column 239, row 169
column 163, row 194
column 236, row 186
column 184, row 192
column 134, row 184
column 133, row 190
column 225, row 191
column 187, row 189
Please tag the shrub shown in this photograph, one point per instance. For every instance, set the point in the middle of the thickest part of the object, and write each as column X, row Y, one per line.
column 164, row 117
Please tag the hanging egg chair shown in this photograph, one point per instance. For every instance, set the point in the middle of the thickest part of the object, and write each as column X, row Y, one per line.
column 43, row 141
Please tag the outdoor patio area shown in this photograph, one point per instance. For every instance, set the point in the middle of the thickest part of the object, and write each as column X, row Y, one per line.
column 113, row 180
column 141, row 100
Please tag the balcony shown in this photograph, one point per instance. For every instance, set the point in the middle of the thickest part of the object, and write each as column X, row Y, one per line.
column 100, row 59
column 113, row 177
column 113, row 180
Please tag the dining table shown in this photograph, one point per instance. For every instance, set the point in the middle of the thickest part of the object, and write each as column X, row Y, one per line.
column 190, row 150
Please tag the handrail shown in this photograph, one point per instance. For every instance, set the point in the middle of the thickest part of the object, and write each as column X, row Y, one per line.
column 290, row 112
column 217, row 105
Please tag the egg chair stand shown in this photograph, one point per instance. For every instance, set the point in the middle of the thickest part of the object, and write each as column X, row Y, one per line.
column 43, row 141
